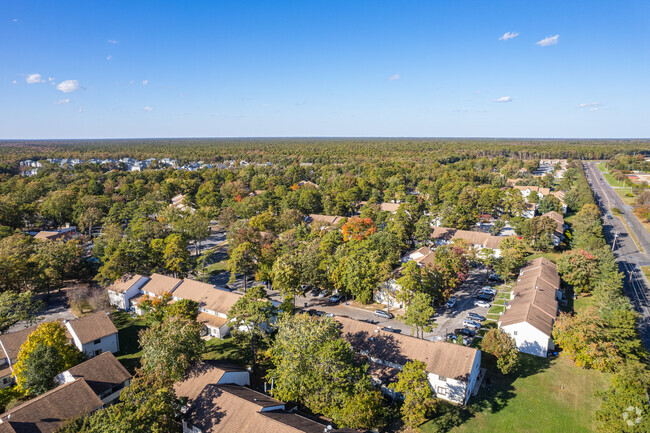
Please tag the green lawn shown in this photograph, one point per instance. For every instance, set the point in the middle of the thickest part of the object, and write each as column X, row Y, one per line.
column 128, row 328
column 542, row 397
column 215, row 268
column 584, row 302
column 613, row 182
column 551, row 255
column 602, row 166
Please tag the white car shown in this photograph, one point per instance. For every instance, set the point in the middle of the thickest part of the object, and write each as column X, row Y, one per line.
column 488, row 289
column 483, row 304
column 451, row 302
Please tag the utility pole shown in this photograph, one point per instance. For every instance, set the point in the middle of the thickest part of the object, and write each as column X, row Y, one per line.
column 614, row 241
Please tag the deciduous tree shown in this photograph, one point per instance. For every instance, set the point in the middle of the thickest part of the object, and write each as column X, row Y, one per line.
column 419, row 401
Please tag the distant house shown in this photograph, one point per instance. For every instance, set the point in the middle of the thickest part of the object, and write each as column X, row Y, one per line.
column 125, row 288
column 94, row 334
column 558, row 234
column 55, row 235
column 527, row 189
column 234, row 408
column 214, row 305
column 386, row 293
column 479, row 240
column 529, row 210
column 452, row 369
column 389, row 207
column 49, row 412
column 560, row 196
column 178, row 202
column 307, row 183
column 10, row 344
column 532, row 309
column 324, row 219
column 103, row 373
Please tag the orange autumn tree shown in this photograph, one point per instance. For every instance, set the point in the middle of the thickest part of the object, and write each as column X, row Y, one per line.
column 358, row 229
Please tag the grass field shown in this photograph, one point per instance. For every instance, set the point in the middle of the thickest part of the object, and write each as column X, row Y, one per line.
column 613, row 182
column 543, row 397
column 602, row 166
column 128, row 328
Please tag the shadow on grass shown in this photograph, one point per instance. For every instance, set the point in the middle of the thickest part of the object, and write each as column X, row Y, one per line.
column 128, row 329
column 493, row 396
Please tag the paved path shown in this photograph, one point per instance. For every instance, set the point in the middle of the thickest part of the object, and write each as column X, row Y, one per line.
column 56, row 309
column 628, row 256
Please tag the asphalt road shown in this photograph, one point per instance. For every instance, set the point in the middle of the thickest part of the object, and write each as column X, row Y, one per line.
column 628, row 256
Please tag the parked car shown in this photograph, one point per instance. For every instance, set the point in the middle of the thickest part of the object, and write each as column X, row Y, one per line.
column 384, row 314
column 464, row 331
column 489, row 290
column 304, row 288
column 335, row 299
column 315, row 291
column 391, row 329
column 474, row 316
column 451, row 337
column 313, row 312
column 329, row 315
column 494, row 277
column 485, row 297
column 323, row 293
column 471, row 324
column 451, row 302
column 482, row 304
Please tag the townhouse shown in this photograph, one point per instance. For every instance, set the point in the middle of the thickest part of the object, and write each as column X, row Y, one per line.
column 93, row 334
column 478, row 240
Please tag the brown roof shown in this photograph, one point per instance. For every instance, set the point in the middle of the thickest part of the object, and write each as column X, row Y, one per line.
column 233, row 408
column 101, row 373
column 125, row 282
column 211, row 319
column 540, row 190
column 201, row 374
column 534, row 299
column 389, row 207
column 11, row 342
column 559, row 220
column 444, row 359
column 425, row 256
column 207, row 296
column 327, row 219
column 48, row 412
column 161, row 284
column 93, row 327
column 475, row 238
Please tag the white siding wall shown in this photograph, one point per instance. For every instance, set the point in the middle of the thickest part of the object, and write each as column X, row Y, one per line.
column 529, row 339
column 235, row 377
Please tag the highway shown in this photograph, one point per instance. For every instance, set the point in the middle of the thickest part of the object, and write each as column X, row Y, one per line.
column 628, row 256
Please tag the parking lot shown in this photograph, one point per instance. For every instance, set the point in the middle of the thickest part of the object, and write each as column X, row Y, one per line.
column 448, row 319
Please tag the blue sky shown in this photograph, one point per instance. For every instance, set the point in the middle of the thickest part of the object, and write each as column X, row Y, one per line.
column 72, row 69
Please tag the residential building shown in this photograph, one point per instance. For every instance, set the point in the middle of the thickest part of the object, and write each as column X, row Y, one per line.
column 214, row 305
column 10, row 344
column 157, row 286
column 234, row 408
column 558, row 234
column 478, row 240
column 532, row 309
column 125, row 288
column 529, row 210
column 452, row 369
column 49, row 412
column 59, row 234
column 323, row 219
column 103, row 373
column 208, row 372
column 560, row 196
column 386, row 293
column 93, row 334
column 307, row 183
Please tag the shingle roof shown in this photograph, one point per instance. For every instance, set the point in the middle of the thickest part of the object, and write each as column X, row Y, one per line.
column 233, row 408
column 534, row 299
column 540, row 190
column 389, row 207
column 201, row 374
column 125, row 282
column 11, row 342
column 93, row 327
column 161, row 284
column 101, row 373
column 445, row 359
column 48, row 412
column 207, row 296
column 475, row 238
column 211, row 319
column 327, row 219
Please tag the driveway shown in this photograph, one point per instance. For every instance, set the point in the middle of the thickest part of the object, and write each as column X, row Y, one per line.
column 56, row 309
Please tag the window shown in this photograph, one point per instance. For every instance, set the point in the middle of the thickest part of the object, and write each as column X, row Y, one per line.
column 99, row 340
column 514, row 333
column 442, row 378
column 441, row 390
column 98, row 352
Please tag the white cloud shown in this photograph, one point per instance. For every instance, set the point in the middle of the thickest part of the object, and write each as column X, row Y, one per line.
column 503, row 99
column 68, row 86
column 34, row 78
column 112, row 41
column 593, row 109
column 590, row 104
column 148, row 108
column 50, row 79
column 508, row 35
column 14, row 82
column 394, row 77
column 15, row 20
column 548, row 41
column 63, row 101
column 145, row 82
column 80, row 109
column 109, row 57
